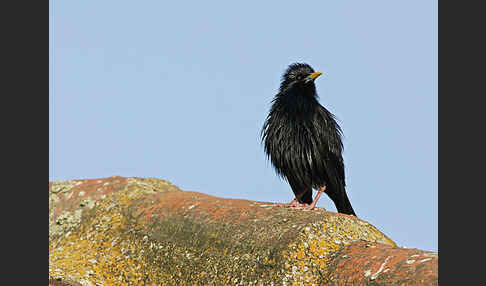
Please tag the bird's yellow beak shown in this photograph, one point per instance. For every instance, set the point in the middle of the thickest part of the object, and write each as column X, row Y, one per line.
column 315, row 75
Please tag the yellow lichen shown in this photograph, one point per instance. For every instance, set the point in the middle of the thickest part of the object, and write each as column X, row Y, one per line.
column 95, row 252
column 307, row 258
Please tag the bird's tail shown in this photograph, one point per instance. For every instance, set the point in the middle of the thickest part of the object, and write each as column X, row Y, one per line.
column 340, row 199
column 344, row 205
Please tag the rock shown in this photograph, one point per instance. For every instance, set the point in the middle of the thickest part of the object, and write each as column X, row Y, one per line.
column 167, row 236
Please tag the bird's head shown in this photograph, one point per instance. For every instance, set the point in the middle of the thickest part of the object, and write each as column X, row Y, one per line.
column 299, row 77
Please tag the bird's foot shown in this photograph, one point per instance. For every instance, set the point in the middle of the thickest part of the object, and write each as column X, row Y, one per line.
column 287, row 204
column 293, row 204
column 308, row 207
column 314, row 202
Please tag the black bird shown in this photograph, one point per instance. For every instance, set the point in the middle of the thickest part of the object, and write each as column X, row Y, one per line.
column 303, row 141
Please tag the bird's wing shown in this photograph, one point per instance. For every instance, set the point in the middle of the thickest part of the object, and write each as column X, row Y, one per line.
column 331, row 142
column 337, row 166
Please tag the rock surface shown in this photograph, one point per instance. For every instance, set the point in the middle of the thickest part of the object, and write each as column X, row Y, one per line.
column 139, row 231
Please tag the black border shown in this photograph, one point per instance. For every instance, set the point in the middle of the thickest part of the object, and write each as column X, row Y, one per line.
column 25, row 85
column 461, row 126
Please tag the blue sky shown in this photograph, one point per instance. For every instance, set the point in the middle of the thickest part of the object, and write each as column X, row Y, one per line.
column 179, row 90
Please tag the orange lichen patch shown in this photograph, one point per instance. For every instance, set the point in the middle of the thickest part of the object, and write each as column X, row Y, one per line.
column 377, row 264
column 197, row 204
column 218, row 208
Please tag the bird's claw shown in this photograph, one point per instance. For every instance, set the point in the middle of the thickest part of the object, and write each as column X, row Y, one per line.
column 295, row 204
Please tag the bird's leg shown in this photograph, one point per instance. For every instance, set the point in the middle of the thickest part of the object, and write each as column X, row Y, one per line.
column 313, row 204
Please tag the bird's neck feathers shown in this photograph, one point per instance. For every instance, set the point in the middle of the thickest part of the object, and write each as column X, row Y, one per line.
column 295, row 103
column 298, row 89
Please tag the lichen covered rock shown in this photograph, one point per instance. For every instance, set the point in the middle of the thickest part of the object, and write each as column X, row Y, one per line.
column 135, row 231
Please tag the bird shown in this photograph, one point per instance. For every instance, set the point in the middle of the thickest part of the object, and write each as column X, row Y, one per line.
column 303, row 141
